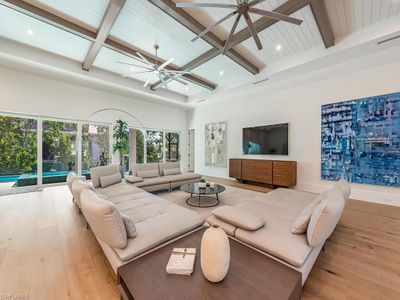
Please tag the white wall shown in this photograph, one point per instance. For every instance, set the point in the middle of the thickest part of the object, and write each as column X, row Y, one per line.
column 30, row 94
column 299, row 105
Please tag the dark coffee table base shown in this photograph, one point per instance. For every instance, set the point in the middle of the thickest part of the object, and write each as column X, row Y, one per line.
column 198, row 196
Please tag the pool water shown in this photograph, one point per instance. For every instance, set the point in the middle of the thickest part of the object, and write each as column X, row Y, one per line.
column 14, row 178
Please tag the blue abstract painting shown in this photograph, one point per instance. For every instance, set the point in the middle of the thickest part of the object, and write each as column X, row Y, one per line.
column 360, row 140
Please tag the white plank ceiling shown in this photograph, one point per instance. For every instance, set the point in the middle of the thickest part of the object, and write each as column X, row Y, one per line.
column 142, row 24
column 348, row 16
column 88, row 12
column 30, row 31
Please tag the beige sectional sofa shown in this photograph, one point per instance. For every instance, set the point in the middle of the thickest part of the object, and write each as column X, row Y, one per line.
column 278, row 212
column 159, row 176
column 287, row 225
column 106, row 209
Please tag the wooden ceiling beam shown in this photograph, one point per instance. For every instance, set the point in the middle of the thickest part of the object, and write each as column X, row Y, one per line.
column 78, row 30
column 111, row 14
column 261, row 24
column 184, row 18
column 320, row 14
column 289, row 7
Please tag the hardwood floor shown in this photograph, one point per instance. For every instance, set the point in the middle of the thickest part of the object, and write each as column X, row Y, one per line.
column 47, row 253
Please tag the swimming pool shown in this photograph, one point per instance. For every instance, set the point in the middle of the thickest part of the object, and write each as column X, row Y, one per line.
column 32, row 176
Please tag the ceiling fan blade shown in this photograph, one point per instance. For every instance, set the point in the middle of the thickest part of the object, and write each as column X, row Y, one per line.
column 144, row 59
column 195, row 5
column 214, row 25
column 255, row 2
column 135, row 73
column 148, row 80
column 275, row 16
column 163, row 81
column 228, row 41
column 165, row 64
column 253, row 31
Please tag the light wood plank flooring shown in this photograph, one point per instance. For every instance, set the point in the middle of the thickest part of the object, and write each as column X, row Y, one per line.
column 47, row 253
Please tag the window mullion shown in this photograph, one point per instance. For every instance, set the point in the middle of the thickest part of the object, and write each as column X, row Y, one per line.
column 39, row 145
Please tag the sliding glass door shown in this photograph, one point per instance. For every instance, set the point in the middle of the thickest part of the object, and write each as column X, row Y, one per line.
column 59, row 150
column 95, row 147
column 18, row 152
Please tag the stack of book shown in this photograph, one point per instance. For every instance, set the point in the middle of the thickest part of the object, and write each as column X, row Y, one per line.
column 181, row 261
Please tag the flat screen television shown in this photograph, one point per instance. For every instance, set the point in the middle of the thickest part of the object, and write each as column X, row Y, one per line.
column 269, row 139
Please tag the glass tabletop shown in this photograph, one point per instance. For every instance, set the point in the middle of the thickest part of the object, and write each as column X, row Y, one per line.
column 193, row 188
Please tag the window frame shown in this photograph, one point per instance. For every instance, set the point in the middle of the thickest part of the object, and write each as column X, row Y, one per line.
column 164, row 132
column 39, row 146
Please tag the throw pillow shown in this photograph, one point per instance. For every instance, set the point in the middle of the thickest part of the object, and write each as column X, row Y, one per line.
column 300, row 225
column 174, row 171
column 110, row 179
column 129, row 226
column 148, row 173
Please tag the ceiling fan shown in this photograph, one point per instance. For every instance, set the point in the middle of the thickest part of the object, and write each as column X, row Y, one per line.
column 242, row 8
column 156, row 70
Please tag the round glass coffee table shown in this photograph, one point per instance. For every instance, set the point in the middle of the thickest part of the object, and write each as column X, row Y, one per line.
column 196, row 194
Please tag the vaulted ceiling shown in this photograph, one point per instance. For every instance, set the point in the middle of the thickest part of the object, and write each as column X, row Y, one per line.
column 99, row 33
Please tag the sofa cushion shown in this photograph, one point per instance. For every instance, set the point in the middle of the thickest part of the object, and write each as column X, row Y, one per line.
column 156, row 224
column 97, row 172
column 300, row 225
column 133, row 179
column 277, row 240
column 129, row 226
column 183, row 177
column 344, row 188
column 108, row 180
column 325, row 217
column 152, row 181
column 172, row 171
column 118, row 189
column 238, row 217
column 148, row 174
column 77, row 187
column 144, row 167
column 104, row 219
column 288, row 198
column 168, row 165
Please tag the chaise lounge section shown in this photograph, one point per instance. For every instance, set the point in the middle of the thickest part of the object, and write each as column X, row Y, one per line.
column 111, row 203
column 276, row 216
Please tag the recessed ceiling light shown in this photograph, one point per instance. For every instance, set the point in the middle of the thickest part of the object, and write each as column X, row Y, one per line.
column 221, row 73
column 278, row 47
column 29, row 31
column 186, row 88
column 132, row 69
